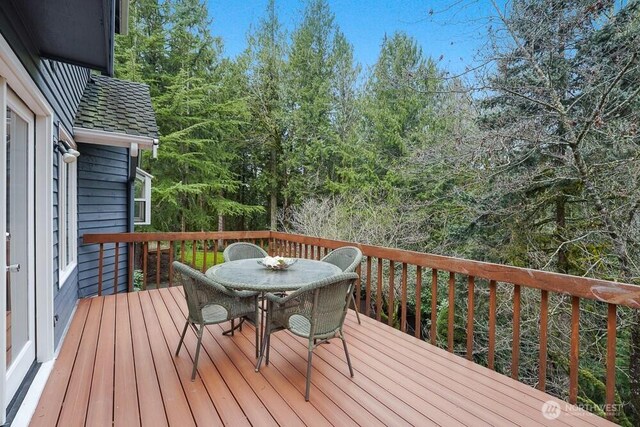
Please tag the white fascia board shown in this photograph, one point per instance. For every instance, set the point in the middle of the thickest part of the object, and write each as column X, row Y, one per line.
column 101, row 137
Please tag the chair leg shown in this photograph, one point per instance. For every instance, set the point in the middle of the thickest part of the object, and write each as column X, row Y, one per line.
column 266, row 361
column 309, row 357
column 195, row 361
column 265, row 343
column 355, row 307
column 346, row 353
column 233, row 326
column 258, row 328
column 184, row 331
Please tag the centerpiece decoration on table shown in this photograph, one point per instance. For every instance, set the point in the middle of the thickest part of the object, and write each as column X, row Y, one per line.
column 277, row 262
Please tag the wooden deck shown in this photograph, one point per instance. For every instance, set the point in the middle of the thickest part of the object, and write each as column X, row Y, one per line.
column 117, row 367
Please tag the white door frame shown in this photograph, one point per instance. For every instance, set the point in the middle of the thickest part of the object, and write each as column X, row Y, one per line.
column 14, row 75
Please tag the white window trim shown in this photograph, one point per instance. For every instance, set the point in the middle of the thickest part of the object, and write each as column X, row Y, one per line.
column 71, row 232
column 146, row 177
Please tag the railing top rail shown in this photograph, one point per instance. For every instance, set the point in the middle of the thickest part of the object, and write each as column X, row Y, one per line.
column 91, row 238
column 601, row 290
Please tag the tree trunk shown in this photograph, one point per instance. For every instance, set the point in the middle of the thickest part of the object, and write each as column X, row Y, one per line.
column 561, row 206
column 220, row 228
column 273, row 204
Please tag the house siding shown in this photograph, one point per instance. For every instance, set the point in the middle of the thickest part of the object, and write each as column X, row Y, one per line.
column 103, row 207
column 62, row 85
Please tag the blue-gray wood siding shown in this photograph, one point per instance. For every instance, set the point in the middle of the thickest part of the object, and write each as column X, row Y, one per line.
column 103, row 207
column 62, row 85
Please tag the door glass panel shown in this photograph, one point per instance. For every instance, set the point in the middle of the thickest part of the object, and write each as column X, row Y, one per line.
column 17, row 235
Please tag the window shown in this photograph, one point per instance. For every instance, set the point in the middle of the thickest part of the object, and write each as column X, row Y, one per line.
column 67, row 212
column 142, row 198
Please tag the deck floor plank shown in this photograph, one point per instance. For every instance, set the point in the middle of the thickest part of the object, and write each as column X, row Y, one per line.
column 52, row 397
column 222, row 397
column 462, row 370
column 266, row 393
column 76, row 401
column 203, row 409
column 100, row 410
column 334, row 414
column 126, row 410
column 117, row 366
column 152, row 411
column 173, row 396
column 426, row 374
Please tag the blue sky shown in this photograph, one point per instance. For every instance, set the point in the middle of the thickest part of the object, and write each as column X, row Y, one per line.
column 450, row 29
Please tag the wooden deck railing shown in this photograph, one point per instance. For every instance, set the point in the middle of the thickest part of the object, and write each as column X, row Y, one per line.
column 385, row 275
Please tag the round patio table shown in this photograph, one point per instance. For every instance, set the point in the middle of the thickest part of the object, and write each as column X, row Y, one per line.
column 249, row 275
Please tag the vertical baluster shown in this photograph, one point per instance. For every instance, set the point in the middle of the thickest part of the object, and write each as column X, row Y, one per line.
column 115, row 268
column 130, row 275
column 171, row 263
column 379, row 292
column 205, row 248
column 492, row 324
column 418, row 296
column 611, row 361
column 100, row 268
column 544, row 324
column 306, row 251
column 392, row 292
column 182, row 245
column 575, row 348
column 452, row 306
column 145, row 261
column 515, row 342
column 158, row 259
column 367, row 295
column 193, row 255
column 358, row 289
column 471, row 284
column 434, row 305
column 403, row 298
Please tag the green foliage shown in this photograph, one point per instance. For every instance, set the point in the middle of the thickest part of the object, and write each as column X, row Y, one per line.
column 401, row 155
column 199, row 260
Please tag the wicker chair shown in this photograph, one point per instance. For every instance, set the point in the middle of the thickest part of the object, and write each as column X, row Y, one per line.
column 242, row 250
column 211, row 303
column 347, row 258
column 315, row 311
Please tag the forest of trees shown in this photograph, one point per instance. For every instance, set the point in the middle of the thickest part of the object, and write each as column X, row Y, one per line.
column 533, row 161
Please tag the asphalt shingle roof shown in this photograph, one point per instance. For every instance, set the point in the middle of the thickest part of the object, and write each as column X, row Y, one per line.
column 118, row 106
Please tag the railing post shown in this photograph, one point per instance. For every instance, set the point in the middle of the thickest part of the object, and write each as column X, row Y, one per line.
column 100, row 263
column 434, row 306
column 544, row 324
column 452, row 307
column 418, row 326
column 470, row 315
column 403, row 298
column 515, row 347
column 611, row 361
column 492, row 324
column 131, row 257
column 575, row 348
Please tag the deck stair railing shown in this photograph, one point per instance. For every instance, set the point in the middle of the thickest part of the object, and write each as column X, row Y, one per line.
column 392, row 285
